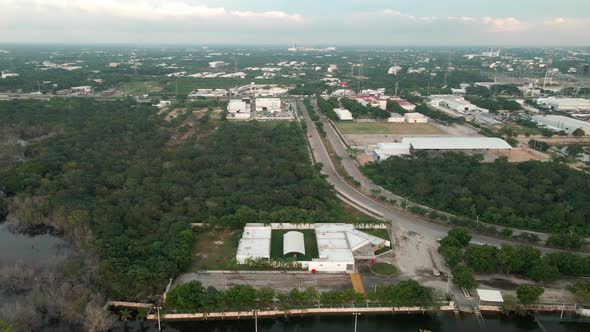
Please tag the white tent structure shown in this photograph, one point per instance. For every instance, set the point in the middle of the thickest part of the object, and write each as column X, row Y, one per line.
column 293, row 242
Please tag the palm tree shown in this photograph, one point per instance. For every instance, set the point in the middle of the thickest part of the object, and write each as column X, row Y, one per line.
column 141, row 316
column 125, row 316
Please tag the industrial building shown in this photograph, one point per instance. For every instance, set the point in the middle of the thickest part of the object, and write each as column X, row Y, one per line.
column 82, row 90
column 396, row 118
column 255, row 243
column 406, row 105
column 340, row 244
column 489, row 297
column 468, row 145
column 565, row 104
column 386, row 150
column 343, row 114
column 216, row 64
column 239, row 109
column 415, row 118
column 268, row 105
column 559, row 123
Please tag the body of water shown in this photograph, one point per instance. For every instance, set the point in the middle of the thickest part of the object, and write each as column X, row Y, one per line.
column 29, row 249
column 397, row 323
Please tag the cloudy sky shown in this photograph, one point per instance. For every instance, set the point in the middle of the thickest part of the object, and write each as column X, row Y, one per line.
column 306, row 22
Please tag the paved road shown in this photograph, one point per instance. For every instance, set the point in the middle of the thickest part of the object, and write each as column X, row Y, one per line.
column 399, row 219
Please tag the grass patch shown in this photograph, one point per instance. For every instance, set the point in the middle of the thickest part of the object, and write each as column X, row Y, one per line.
column 384, row 269
column 215, row 249
column 276, row 245
column 363, row 128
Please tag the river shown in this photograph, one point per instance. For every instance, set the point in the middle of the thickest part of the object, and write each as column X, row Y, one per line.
column 397, row 323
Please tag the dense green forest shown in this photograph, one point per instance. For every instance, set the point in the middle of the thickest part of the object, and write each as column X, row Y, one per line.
column 105, row 168
column 533, row 195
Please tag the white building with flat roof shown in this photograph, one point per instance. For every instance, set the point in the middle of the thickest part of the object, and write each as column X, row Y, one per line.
column 565, row 104
column 415, row 118
column 559, row 123
column 457, row 143
column 255, row 243
column 343, row 114
column 337, row 244
column 216, row 64
column 386, row 150
column 272, row 105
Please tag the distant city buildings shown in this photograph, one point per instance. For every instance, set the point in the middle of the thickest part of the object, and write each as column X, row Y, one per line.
column 7, row 74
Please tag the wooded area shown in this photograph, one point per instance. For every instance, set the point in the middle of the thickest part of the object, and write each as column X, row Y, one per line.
column 108, row 174
column 534, row 195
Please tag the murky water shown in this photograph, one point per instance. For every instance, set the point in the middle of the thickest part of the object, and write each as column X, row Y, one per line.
column 397, row 323
column 15, row 247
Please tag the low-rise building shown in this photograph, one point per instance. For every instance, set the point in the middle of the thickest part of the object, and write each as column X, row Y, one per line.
column 239, row 109
column 565, row 104
column 255, row 243
column 268, row 105
column 83, row 90
column 216, row 64
column 396, row 118
column 559, row 123
column 386, row 150
column 343, row 114
column 415, row 118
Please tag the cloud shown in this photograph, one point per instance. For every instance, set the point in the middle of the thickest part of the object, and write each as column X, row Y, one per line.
column 503, row 24
column 145, row 9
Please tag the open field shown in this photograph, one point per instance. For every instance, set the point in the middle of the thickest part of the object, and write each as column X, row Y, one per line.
column 311, row 247
column 384, row 269
column 141, row 87
column 215, row 249
column 371, row 128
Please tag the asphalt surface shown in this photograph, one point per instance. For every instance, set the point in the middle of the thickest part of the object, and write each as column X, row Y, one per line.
column 398, row 219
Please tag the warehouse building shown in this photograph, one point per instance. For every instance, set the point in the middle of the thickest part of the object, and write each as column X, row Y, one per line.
column 343, row 114
column 565, row 104
column 268, row 105
column 239, row 109
column 467, row 145
column 340, row 244
column 255, row 243
column 559, row 123
column 415, row 118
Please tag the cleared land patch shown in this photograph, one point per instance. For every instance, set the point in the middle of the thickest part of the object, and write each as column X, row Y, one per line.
column 368, row 128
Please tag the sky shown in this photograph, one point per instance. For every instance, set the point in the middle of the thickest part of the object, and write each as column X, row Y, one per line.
column 305, row 22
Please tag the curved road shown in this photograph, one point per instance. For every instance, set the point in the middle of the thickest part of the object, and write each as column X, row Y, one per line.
column 398, row 219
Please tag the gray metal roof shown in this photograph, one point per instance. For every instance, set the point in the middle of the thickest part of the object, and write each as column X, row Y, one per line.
column 457, row 143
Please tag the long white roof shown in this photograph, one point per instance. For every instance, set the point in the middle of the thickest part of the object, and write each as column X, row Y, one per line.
column 457, row 143
column 293, row 242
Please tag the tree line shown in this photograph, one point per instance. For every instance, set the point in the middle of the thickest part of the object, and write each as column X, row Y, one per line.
column 540, row 196
column 193, row 297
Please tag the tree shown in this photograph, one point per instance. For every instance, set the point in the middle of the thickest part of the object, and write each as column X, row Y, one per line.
column 567, row 240
column 579, row 132
column 528, row 294
column 265, row 296
column 463, row 277
column 241, row 297
column 543, row 271
column 461, row 234
column 575, row 150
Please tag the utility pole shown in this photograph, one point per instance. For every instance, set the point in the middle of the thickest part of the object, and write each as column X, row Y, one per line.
column 255, row 311
column 159, row 324
column 356, row 314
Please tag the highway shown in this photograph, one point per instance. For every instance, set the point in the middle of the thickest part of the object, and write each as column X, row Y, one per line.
column 399, row 219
